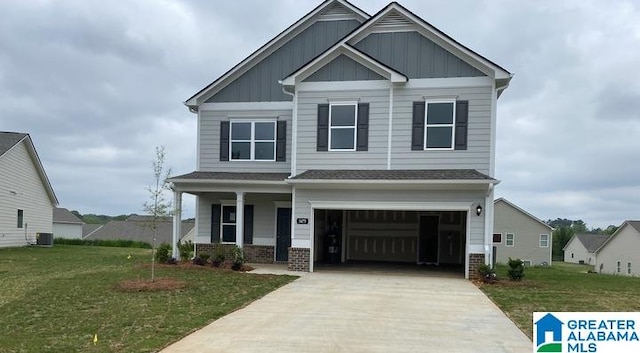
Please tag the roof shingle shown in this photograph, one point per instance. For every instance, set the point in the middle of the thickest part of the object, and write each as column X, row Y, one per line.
column 9, row 139
column 232, row 176
column 407, row 174
column 62, row 215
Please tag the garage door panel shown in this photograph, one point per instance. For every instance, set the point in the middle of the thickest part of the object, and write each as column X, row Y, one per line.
column 369, row 247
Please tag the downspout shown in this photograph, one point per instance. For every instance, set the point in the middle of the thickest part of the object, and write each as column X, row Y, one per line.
column 294, row 129
column 488, row 225
column 390, row 131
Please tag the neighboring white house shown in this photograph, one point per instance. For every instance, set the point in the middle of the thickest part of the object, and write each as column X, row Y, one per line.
column 66, row 224
column 518, row 234
column 26, row 196
column 620, row 253
column 580, row 249
column 349, row 137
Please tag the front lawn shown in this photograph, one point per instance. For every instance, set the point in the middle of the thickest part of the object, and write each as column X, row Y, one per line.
column 561, row 287
column 57, row 299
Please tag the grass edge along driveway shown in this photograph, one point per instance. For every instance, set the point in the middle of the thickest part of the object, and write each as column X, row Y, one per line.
column 57, row 299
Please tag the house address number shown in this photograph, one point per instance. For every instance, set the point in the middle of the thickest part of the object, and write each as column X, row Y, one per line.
column 302, row 220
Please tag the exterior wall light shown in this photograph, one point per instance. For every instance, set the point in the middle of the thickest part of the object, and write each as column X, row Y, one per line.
column 479, row 210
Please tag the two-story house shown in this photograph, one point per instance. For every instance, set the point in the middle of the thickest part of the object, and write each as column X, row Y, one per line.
column 349, row 137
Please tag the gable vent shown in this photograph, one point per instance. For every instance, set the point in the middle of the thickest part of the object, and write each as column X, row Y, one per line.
column 393, row 20
column 336, row 11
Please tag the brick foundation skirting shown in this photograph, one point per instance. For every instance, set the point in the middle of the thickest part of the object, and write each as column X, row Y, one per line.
column 260, row 254
column 299, row 259
column 475, row 260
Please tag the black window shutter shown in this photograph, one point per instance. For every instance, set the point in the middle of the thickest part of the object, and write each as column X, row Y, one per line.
column 417, row 127
column 462, row 123
column 281, row 141
column 323, row 127
column 224, row 140
column 363, row 127
column 248, row 224
column 215, row 223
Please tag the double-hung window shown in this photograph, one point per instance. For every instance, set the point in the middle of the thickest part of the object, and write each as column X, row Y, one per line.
column 253, row 140
column 439, row 132
column 544, row 240
column 342, row 126
column 509, row 239
column 228, row 224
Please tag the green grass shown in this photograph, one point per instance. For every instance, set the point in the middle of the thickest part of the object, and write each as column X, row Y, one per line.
column 56, row 299
column 562, row 287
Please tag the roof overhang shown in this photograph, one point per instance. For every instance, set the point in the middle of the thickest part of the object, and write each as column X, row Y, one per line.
column 342, row 48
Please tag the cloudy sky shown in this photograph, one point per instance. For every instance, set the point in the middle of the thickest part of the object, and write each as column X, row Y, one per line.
column 99, row 84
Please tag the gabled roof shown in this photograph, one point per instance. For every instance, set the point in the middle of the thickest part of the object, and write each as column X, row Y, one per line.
column 502, row 199
column 62, row 215
column 271, row 45
column 88, row 229
column 8, row 140
column 633, row 224
column 591, row 242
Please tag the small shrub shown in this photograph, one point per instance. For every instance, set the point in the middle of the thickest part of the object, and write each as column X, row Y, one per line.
column 218, row 256
column 198, row 261
column 185, row 249
column 162, row 253
column 488, row 273
column 204, row 256
column 516, row 269
column 172, row 261
column 238, row 258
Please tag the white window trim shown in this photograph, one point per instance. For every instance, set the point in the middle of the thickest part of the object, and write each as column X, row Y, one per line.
column 524, row 263
column 513, row 239
column 452, row 125
column 497, row 242
column 354, row 127
column 253, row 141
column 222, row 224
column 540, row 241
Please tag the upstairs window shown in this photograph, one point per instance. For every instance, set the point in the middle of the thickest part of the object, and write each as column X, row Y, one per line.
column 20, row 219
column 509, row 239
column 544, row 240
column 253, row 141
column 342, row 126
column 439, row 125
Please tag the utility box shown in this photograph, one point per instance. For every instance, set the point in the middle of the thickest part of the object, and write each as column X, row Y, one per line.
column 44, row 239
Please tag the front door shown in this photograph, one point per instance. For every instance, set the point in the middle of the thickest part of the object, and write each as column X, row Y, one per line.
column 283, row 233
column 428, row 240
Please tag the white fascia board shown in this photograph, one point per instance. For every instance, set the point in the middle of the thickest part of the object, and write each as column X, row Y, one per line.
column 233, row 188
column 392, row 182
column 43, row 175
column 397, row 206
column 265, row 50
column 435, row 35
column 343, row 49
column 258, row 106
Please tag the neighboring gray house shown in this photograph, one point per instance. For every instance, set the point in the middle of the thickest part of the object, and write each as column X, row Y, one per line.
column 619, row 253
column 580, row 249
column 518, row 234
column 26, row 196
column 88, row 229
column 138, row 228
column 66, row 224
column 349, row 137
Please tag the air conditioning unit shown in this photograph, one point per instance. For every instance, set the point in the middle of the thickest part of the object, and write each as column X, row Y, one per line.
column 44, row 239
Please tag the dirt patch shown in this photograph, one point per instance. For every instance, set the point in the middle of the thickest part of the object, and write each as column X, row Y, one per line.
column 509, row 284
column 145, row 285
column 227, row 266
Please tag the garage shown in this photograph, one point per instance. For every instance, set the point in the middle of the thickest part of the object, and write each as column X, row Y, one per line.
column 411, row 237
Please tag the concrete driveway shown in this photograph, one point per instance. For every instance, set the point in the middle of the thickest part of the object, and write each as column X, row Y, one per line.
column 363, row 312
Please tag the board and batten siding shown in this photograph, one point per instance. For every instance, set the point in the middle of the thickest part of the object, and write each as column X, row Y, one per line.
column 304, row 197
column 260, row 82
column 623, row 247
column 374, row 158
column 526, row 233
column 21, row 188
column 264, row 215
column 209, row 148
column 478, row 153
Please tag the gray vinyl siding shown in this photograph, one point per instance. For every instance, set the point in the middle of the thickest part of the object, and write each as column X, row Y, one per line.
column 67, row 230
column 264, row 215
column 18, row 173
column 526, row 234
column 478, row 152
column 304, row 196
column 415, row 56
column 260, row 82
column 210, row 143
column 622, row 247
column 579, row 252
column 343, row 68
column 374, row 158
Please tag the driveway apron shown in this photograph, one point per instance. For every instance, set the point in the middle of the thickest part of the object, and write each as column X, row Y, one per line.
column 363, row 312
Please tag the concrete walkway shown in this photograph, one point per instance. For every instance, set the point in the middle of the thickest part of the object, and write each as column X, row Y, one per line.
column 360, row 312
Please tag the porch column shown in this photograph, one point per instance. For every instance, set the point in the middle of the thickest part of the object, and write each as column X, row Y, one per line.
column 177, row 222
column 239, row 218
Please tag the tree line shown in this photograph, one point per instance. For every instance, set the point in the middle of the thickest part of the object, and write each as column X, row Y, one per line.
column 566, row 228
